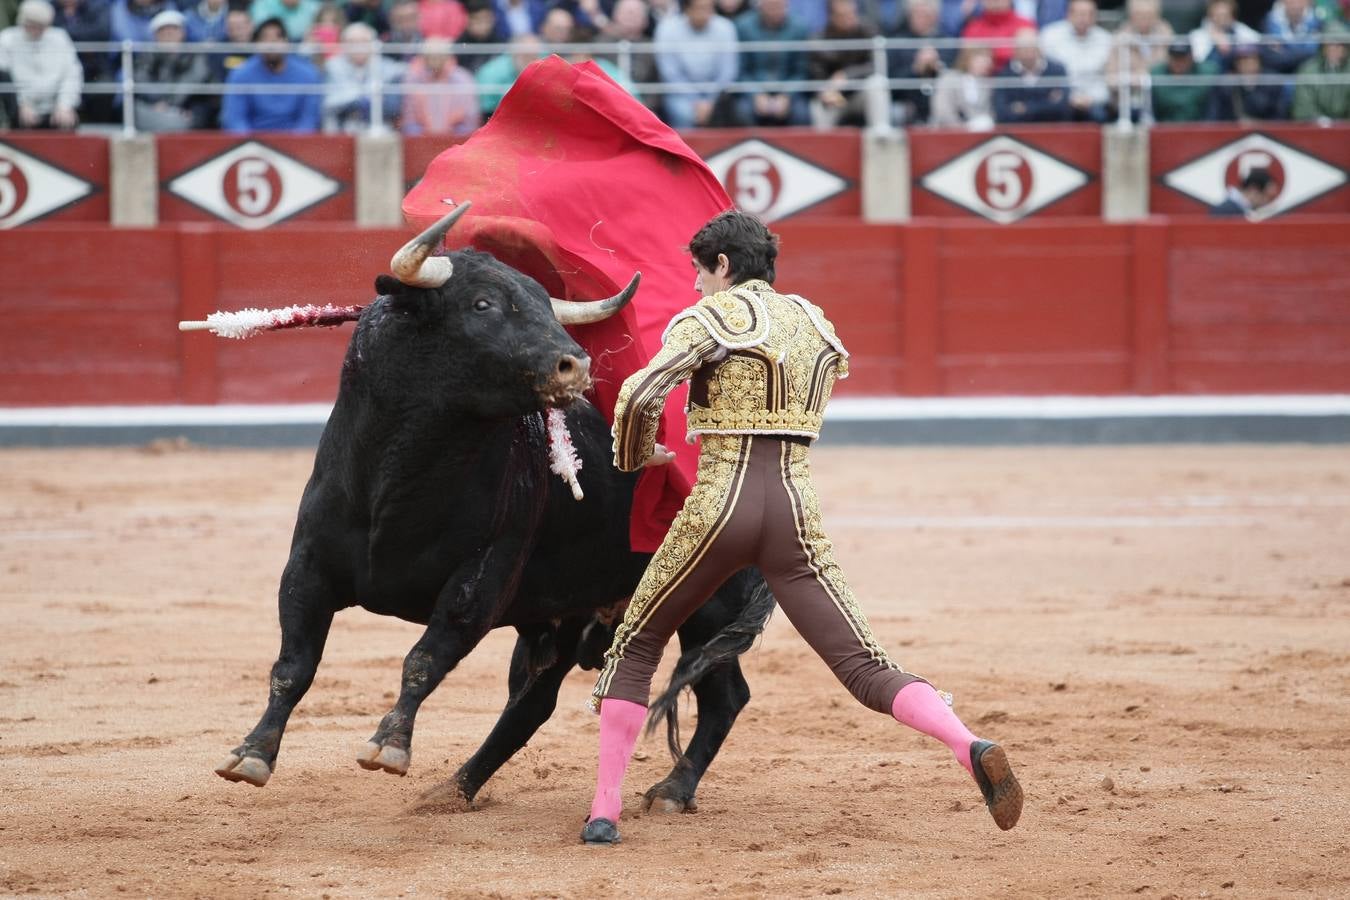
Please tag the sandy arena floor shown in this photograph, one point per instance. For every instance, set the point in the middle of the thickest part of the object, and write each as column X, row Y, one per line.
column 1160, row 636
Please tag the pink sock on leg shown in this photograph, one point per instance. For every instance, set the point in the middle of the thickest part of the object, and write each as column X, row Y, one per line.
column 923, row 709
column 620, row 722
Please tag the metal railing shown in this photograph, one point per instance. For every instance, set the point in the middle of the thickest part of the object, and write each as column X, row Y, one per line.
column 879, row 86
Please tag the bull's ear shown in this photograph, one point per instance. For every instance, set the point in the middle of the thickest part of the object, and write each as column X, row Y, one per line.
column 388, row 284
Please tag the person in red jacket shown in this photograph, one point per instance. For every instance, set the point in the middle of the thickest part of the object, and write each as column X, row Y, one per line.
column 997, row 20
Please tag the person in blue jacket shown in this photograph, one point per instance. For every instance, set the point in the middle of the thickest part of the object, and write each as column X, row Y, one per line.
column 245, row 111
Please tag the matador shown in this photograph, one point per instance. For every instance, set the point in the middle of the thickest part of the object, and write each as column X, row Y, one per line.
column 761, row 367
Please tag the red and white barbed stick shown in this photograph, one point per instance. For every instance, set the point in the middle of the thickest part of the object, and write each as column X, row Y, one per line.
column 562, row 455
column 245, row 323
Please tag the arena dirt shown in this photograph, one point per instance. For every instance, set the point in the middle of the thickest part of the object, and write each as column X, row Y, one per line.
column 1160, row 636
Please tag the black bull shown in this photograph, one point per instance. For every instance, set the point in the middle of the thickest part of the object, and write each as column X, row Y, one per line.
column 431, row 500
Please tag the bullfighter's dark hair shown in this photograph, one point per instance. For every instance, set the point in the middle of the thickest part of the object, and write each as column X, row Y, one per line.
column 750, row 246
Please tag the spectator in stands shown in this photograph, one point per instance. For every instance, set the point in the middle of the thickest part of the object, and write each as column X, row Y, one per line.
column 1083, row 48
column 130, row 19
column 1324, row 102
column 733, row 9
column 1248, row 101
column 238, row 30
column 954, row 14
column 1296, row 23
column 296, row 16
column 324, row 38
column 997, row 20
column 557, row 27
column 1257, row 189
column 1042, row 12
column 41, row 62
column 367, row 12
column 89, row 20
column 273, row 66
column 205, row 20
column 1144, row 35
column 959, row 97
column 1219, row 33
column 1020, row 96
column 630, row 23
column 404, row 27
column 836, row 106
column 770, row 21
column 482, row 27
column 880, row 16
column 926, row 61
column 348, row 78
column 168, row 109
column 499, row 73
column 1181, row 102
column 442, row 18
column 810, row 14
column 9, row 13
column 708, row 60
column 453, row 107
column 522, row 16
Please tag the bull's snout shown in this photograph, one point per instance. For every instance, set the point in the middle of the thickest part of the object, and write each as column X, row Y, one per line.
column 571, row 378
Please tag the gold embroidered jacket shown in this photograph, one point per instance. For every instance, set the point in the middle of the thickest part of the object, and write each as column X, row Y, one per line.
column 761, row 363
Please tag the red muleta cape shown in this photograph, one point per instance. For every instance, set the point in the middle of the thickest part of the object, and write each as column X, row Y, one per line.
column 578, row 185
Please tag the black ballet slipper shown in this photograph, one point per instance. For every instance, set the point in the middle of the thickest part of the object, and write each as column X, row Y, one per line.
column 998, row 784
column 600, row 831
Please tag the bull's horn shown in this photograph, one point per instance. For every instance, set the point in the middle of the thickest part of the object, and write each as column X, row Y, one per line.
column 410, row 264
column 583, row 312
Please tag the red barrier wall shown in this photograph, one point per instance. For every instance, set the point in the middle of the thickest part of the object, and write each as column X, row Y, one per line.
column 52, row 178
column 1045, row 170
column 1192, row 165
column 256, row 182
column 932, row 308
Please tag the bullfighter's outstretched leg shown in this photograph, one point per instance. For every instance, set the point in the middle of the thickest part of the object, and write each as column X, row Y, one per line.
column 532, row 699
column 465, row 612
column 306, row 613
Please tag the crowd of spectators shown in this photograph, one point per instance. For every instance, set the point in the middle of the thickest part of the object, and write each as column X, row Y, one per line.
column 1057, row 62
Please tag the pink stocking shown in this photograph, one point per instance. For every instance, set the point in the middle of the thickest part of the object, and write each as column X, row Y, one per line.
column 923, row 709
column 620, row 722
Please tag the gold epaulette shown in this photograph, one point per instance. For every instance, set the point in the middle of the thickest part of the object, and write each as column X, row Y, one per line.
column 736, row 319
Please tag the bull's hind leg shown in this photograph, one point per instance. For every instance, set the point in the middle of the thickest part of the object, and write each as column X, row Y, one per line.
column 533, row 684
column 721, row 694
column 711, row 640
column 306, row 615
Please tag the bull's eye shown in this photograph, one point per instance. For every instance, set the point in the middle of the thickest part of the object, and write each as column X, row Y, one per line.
column 482, row 305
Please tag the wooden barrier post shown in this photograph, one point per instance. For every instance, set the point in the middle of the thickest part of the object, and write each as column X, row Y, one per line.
column 1151, row 323
column 922, row 315
column 199, row 289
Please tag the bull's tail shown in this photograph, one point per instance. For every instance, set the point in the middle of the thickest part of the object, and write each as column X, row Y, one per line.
column 731, row 641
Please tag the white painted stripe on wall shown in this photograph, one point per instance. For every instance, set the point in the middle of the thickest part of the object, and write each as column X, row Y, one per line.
column 856, row 409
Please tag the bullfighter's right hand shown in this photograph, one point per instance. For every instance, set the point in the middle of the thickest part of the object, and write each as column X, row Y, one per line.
column 660, row 456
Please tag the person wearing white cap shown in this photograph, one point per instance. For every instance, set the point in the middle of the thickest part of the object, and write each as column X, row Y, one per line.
column 42, row 63
column 168, row 108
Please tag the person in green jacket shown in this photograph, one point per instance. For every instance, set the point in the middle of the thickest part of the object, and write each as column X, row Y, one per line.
column 1181, row 102
column 1325, row 101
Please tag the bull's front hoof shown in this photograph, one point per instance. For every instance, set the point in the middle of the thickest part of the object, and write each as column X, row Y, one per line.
column 246, row 768
column 666, row 798
column 393, row 760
